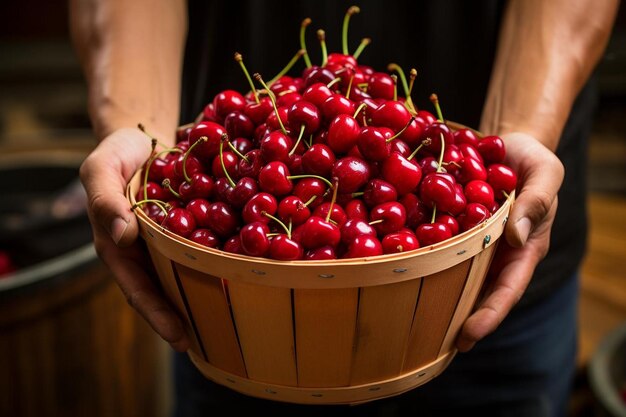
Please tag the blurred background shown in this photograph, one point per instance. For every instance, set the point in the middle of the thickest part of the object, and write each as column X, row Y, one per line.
column 69, row 343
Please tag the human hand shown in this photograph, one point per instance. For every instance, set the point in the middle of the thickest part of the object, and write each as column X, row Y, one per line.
column 527, row 234
column 105, row 174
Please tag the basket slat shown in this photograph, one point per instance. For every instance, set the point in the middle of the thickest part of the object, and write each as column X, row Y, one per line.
column 263, row 316
column 325, row 327
column 209, row 307
column 383, row 324
column 476, row 277
column 164, row 268
column 438, row 300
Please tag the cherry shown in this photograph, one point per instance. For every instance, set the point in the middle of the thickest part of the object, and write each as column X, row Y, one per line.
column 478, row 191
column 352, row 173
column 213, row 133
column 343, row 132
column 222, row 219
column 392, row 114
column 180, row 221
column 502, row 179
column 204, row 237
column 332, row 211
column 225, row 164
column 320, row 254
column 431, row 233
column 226, row 102
column 152, row 191
column 449, row 221
column 318, row 160
column 254, row 239
column 337, row 104
column 276, row 147
column 465, row 135
column 436, row 190
column 471, row 169
column 199, row 208
column 492, row 149
column 233, row 245
column 397, row 242
column 402, row 173
column 311, row 190
column 474, row 214
column 355, row 227
column 200, row 186
column 257, row 205
column 292, row 209
column 284, row 248
column 469, row 151
column 364, row 246
column 304, row 115
column 245, row 189
column 388, row 217
column 250, row 165
column 317, row 232
column 238, row 124
column 416, row 211
column 241, row 146
column 258, row 112
column 381, row 85
column 356, row 209
column 316, row 94
column 378, row 191
column 318, row 75
column 373, row 144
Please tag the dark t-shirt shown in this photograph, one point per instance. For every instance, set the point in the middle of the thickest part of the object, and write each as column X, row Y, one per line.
column 451, row 44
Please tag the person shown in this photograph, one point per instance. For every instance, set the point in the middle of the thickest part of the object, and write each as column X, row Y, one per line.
column 521, row 69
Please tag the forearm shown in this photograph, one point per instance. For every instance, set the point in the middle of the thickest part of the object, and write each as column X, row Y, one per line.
column 131, row 53
column 546, row 53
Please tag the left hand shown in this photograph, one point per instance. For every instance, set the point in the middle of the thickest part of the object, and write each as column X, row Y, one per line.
column 527, row 234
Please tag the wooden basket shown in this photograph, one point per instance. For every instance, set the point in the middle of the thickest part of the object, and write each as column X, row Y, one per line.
column 323, row 332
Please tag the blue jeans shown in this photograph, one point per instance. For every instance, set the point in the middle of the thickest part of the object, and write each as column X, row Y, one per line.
column 525, row 368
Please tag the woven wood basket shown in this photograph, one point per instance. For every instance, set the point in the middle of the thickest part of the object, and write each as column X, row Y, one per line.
column 323, row 332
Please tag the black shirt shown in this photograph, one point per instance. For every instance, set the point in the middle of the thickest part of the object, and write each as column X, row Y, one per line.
column 451, row 44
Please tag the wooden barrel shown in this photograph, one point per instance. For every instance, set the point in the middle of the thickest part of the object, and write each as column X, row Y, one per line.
column 69, row 343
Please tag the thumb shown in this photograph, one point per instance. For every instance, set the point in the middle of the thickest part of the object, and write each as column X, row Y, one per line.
column 105, row 174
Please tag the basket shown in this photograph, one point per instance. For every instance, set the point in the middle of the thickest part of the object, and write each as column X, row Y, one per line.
column 323, row 332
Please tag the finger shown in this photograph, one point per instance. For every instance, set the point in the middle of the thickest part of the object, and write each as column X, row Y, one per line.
column 540, row 175
column 105, row 173
column 129, row 267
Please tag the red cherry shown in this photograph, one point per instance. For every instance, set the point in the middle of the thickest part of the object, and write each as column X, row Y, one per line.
column 436, row 190
column 222, row 219
column 283, row 248
column 471, row 169
column 352, row 173
column 381, row 85
column 258, row 112
column 292, row 209
column 378, row 191
column 213, row 132
column 364, row 246
column 238, row 124
column 316, row 94
column 233, row 245
column 275, row 147
column 180, row 221
column 257, row 205
column 343, row 132
column 416, row 211
column 449, row 221
column 254, row 240
column 337, row 104
column 478, row 191
column 388, row 217
column 492, row 149
column 402, row 241
column 318, row 232
column 311, row 191
column 355, row 227
column 318, row 160
column 226, row 102
column 373, row 144
column 392, row 114
column 274, row 179
column 467, row 136
column 199, row 208
column 204, row 237
column 402, row 173
column 502, row 179
column 356, row 209
column 338, row 215
column 200, row 186
column 320, row 254
column 474, row 214
column 303, row 114
column 431, row 233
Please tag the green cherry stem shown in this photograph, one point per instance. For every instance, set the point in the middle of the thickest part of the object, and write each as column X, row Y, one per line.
column 306, row 22
column 272, row 97
column 239, row 60
column 321, row 35
column 401, row 131
column 344, row 30
column 443, row 148
column 358, row 110
column 394, row 77
column 236, row 151
column 288, row 67
column 295, row 146
column 333, row 82
column 201, row 139
column 425, row 142
column 280, row 222
column 362, row 45
column 168, row 185
column 160, row 204
column 226, row 174
column 149, row 164
column 407, row 92
column 297, row 177
column 335, row 186
column 141, row 127
column 435, row 100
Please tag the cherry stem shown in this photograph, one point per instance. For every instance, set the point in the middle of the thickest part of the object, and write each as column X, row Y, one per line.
column 321, row 35
column 373, row 222
column 230, row 180
column 280, row 222
column 288, row 67
column 236, row 151
column 153, row 145
column 141, row 127
column 239, row 59
column 412, row 77
column 167, row 185
column 358, row 109
column 310, row 200
column 293, row 149
column 443, row 148
column 401, row 130
column 333, row 82
column 334, row 198
column 395, row 87
column 201, row 139
column 160, row 204
column 435, row 100
column 306, row 22
column 270, row 93
column 425, row 142
column 432, row 219
column 362, row 45
column 149, row 164
column 349, row 86
column 344, row 32
column 407, row 92
column 297, row 177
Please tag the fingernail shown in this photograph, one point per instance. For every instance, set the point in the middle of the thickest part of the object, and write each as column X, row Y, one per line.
column 523, row 229
column 118, row 228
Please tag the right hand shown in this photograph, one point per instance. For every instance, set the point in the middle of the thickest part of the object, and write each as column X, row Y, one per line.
column 105, row 174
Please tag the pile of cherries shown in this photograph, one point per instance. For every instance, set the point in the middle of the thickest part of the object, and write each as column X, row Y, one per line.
column 329, row 164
